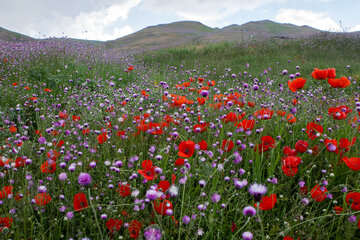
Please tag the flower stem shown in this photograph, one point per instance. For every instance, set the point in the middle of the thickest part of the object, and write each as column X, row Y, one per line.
column 261, row 224
column 93, row 208
column 247, row 221
column 181, row 214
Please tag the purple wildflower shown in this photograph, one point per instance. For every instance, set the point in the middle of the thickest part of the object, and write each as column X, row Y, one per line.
column 186, row 219
column 152, row 233
column 247, row 235
column 215, row 198
column 84, row 179
column 257, row 190
column 249, row 211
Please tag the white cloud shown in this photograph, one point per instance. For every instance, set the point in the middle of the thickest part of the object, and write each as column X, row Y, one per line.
column 301, row 17
column 205, row 11
column 92, row 25
column 355, row 28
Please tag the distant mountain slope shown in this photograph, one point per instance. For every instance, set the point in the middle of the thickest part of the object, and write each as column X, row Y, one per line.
column 184, row 32
column 274, row 28
column 164, row 35
column 7, row 35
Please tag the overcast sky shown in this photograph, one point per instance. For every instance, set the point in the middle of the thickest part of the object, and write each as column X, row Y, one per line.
column 111, row 19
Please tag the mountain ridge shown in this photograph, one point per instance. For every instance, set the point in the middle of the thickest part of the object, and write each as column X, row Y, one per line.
column 185, row 32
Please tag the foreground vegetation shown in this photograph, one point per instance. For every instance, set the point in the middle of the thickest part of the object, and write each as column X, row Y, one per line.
column 208, row 142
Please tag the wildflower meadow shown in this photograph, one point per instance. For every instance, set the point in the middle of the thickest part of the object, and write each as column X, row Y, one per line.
column 245, row 140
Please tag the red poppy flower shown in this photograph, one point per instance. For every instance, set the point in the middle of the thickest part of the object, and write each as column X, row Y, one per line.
column 314, row 130
column 343, row 82
column 211, row 83
column 296, row 84
column 162, row 206
column 80, row 202
column 288, row 238
column 301, row 146
column 268, row 203
column 102, row 138
column 42, row 199
column 13, row 129
column 338, row 209
column 124, row 190
column 288, row 171
column 203, row 145
column 267, row 143
column 199, row 128
column 5, row 223
column 353, row 198
column 289, row 152
column 48, row 166
column 264, row 114
column 318, row 193
column 304, row 190
column 280, row 113
column 251, row 104
column 291, row 161
column 353, row 163
column 148, row 171
column 315, row 150
column 76, row 118
column 134, row 228
column 114, row 225
column 53, row 154
column 331, row 73
column 233, row 227
column 20, row 162
column 331, row 142
column 320, row 74
column 345, row 144
column 227, row 145
column 201, row 101
column 163, row 186
column 339, row 112
column 59, row 144
column 232, row 117
column 179, row 162
column 186, row 149
column 291, row 118
column 6, row 191
column 63, row 115
column 246, row 124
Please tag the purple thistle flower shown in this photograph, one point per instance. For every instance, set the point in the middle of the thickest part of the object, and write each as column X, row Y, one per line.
column 257, row 190
column 69, row 215
column 247, row 235
column 152, row 233
column 352, row 218
column 84, row 179
column 62, row 176
column 42, row 189
column 215, row 198
column 186, row 219
column 151, row 194
column 42, row 140
column 305, row 201
column 249, row 211
column 331, row 147
column 204, row 93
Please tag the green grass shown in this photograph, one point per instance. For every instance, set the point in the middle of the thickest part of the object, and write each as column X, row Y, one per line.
column 87, row 81
column 323, row 51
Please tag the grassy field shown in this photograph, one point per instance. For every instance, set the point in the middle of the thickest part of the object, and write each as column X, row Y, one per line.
column 201, row 141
